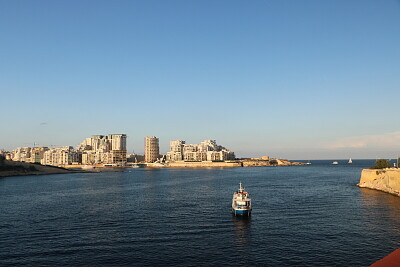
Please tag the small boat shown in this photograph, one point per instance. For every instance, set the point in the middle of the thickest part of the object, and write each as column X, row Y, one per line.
column 335, row 163
column 241, row 202
column 350, row 161
column 308, row 163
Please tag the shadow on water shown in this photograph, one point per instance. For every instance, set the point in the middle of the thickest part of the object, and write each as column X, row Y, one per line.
column 381, row 209
column 242, row 231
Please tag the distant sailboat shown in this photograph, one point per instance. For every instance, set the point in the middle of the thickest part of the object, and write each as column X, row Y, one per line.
column 350, row 161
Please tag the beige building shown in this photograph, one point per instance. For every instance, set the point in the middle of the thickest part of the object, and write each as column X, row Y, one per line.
column 118, row 141
column 65, row 155
column 101, row 149
column 88, row 157
column 28, row 154
column 37, row 154
column 21, row 154
column 151, row 149
column 208, row 150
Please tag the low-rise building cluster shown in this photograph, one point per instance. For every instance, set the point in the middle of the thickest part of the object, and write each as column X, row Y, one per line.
column 98, row 149
column 28, row 154
column 208, row 150
column 65, row 155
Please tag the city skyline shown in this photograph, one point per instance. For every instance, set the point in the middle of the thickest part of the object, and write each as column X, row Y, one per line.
column 110, row 151
column 295, row 80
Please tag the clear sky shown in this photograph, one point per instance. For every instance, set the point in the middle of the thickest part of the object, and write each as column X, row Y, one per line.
column 292, row 79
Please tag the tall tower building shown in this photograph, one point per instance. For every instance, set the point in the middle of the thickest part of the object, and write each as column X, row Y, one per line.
column 151, row 149
column 118, row 141
column 117, row 155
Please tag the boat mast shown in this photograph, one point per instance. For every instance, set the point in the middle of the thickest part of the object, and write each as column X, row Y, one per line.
column 241, row 189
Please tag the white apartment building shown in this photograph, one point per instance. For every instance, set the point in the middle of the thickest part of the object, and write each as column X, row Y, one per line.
column 118, row 141
column 101, row 149
column 37, row 154
column 28, row 154
column 65, row 155
column 176, row 146
column 21, row 154
column 208, row 150
column 98, row 149
column 176, row 150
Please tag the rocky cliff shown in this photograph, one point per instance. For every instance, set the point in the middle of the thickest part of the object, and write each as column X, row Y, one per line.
column 387, row 180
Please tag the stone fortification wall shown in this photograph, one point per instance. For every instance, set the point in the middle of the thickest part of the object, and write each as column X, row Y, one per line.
column 387, row 180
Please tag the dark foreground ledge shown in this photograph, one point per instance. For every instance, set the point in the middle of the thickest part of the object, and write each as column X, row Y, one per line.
column 393, row 259
column 11, row 168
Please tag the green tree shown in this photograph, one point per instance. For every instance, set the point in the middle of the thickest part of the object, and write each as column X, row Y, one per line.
column 2, row 159
column 381, row 164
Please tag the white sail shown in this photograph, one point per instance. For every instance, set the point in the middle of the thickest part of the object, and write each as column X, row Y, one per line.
column 350, row 161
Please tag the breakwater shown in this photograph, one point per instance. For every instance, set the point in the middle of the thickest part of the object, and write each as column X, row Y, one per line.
column 386, row 180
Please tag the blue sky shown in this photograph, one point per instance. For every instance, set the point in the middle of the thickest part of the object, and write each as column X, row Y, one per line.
column 291, row 79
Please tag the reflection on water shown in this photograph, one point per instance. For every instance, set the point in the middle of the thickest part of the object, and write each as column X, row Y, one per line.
column 242, row 231
column 381, row 208
column 306, row 216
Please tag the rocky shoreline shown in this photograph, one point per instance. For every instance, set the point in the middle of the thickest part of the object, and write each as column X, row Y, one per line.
column 386, row 180
column 11, row 168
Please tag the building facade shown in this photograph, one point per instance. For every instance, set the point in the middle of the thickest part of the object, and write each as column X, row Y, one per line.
column 98, row 149
column 28, row 154
column 65, row 155
column 208, row 150
column 102, row 149
column 151, row 149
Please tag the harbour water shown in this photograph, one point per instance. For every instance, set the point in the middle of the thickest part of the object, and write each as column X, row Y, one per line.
column 311, row 215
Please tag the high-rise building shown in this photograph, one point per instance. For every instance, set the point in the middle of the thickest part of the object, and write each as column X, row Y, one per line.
column 118, row 141
column 101, row 149
column 151, row 149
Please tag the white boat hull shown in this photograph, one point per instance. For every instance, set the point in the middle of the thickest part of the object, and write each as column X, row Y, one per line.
column 241, row 202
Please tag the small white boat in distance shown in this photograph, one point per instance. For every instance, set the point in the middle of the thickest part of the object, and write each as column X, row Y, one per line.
column 350, row 161
column 335, row 163
column 241, row 202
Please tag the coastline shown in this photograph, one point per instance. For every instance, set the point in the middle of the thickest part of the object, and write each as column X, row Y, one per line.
column 190, row 164
column 23, row 169
column 385, row 180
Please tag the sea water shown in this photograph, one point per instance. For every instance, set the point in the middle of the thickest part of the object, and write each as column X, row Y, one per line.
column 311, row 215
